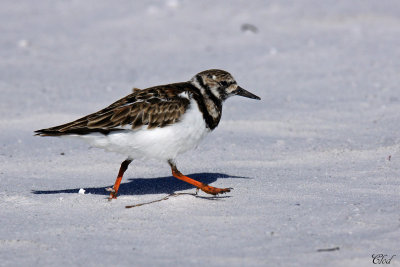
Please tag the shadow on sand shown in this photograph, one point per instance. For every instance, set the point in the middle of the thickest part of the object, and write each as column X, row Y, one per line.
column 143, row 186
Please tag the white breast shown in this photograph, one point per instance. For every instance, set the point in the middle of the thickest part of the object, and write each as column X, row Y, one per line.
column 159, row 143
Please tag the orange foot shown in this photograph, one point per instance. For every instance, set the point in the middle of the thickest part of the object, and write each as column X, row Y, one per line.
column 214, row 190
column 113, row 193
column 204, row 187
column 114, row 190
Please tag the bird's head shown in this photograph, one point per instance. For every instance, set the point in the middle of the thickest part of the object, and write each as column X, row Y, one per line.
column 220, row 84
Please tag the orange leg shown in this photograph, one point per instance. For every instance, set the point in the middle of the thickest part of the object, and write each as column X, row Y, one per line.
column 124, row 167
column 204, row 187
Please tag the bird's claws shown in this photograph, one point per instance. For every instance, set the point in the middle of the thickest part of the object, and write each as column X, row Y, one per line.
column 224, row 192
column 113, row 193
column 215, row 191
column 112, row 196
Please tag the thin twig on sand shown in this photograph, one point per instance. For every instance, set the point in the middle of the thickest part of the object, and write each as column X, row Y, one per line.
column 176, row 195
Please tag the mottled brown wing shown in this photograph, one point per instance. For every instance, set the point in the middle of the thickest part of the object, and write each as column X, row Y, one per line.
column 153, row 107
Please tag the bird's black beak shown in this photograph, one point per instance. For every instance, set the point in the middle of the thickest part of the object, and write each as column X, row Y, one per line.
column 240, row 91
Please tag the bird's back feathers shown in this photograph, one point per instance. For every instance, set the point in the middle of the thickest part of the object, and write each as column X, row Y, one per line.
column 157, row 106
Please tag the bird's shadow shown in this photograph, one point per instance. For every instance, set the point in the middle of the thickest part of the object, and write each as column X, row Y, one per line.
column 143, row 186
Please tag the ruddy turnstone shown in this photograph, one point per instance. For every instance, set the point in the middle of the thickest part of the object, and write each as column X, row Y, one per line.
column 159, row 122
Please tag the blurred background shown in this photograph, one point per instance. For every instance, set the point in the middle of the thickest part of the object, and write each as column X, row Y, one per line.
column 317, row 53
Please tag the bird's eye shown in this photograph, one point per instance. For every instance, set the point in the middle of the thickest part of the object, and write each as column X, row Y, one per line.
column 224, row 84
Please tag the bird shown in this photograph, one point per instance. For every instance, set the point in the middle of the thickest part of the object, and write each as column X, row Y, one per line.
column 159, row 122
